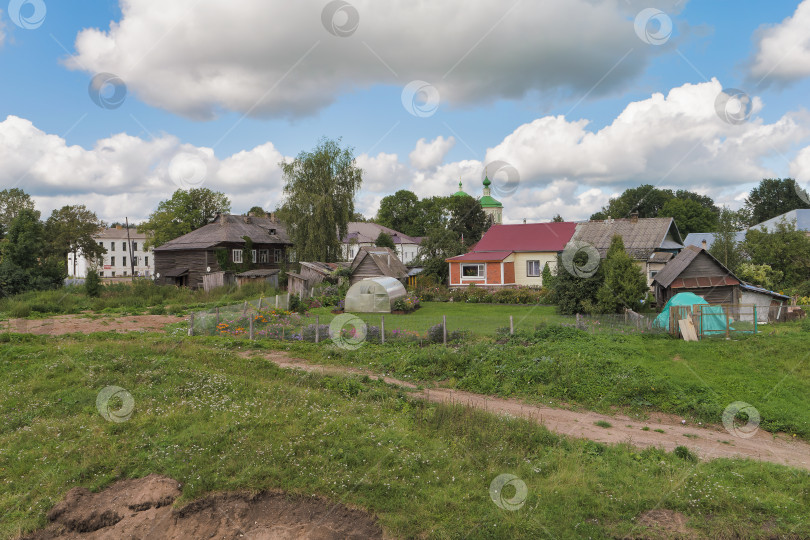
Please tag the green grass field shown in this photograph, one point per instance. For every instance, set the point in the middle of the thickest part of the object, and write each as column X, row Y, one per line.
column 216, row 421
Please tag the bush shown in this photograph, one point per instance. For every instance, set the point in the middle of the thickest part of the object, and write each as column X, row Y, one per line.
column 685, row 454
column 92, row 284
column 19, row 310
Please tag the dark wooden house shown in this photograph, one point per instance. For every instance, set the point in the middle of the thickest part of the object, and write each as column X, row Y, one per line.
column 185, row 260
column 695, row 270
column 377, row 262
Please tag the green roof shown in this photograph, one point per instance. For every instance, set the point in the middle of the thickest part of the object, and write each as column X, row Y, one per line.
column 460, row 192
column 489, row 202
column 486, row 181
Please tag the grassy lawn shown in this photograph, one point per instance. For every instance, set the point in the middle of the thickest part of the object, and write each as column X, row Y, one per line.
column 480, row 319
column 215, row 421
column 604, row 371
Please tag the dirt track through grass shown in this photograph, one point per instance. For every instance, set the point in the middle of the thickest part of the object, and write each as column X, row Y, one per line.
column 664, row 431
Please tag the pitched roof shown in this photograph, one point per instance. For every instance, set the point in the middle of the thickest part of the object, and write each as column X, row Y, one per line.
column 386, row 260
column 227, row 228
column 367, row 233
column 696, row 239
column 527, row 237
column 754, row 288
column 259, row 272
column 670, row 273
column 641, row 236
column 114, row 233
column 322, row 267
column 800, row 219
column 480, row 256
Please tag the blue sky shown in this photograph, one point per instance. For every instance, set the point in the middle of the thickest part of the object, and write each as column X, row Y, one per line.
column 236, row 91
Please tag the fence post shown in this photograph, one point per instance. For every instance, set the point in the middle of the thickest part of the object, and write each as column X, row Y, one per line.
column 511, row 326
column 260, row 302
column 287, row 306
column 244, row 309
column 444, row 330
column 251, row 327
column 382, row 329
column 276, row 301
column 317, row 328
column 217, row 317
column 191, row 324
column 728, row 324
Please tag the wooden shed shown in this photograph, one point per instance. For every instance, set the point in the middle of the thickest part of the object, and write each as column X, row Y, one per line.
column 311, row 274
column 377, row 262
column 217, row 279
column 695, row 270
column 260, row 275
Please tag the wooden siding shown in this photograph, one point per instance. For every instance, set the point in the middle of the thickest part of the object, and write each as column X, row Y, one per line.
column 366, row 269
column 198, row 260
column 509, row 272
column 703, row 266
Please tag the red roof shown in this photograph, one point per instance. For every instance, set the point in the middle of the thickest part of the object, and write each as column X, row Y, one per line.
column 478, row 256
column 527, row 237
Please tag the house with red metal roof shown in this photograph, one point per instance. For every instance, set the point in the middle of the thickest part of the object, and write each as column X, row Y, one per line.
column 509, row 255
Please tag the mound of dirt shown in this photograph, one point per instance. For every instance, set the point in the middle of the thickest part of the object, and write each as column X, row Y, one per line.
column 141, row 508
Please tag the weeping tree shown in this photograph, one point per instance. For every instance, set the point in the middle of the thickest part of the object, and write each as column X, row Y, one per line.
column 319, row 191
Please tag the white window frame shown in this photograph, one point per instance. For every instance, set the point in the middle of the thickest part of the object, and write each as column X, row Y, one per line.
column 528, row 269
column 276, row 255
column 236, row 256
column 253, row 255
column 482, row 271
column 264, row 256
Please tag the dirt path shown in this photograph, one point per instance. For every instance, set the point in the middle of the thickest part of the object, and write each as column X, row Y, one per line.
column 67, row 324
column 708, row 442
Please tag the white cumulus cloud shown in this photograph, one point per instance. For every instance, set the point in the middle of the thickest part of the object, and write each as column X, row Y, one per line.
column 196, row 57
column 430, row 154
column 783, row 50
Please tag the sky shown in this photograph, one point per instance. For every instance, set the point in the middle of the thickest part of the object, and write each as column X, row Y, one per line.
column 563, row 103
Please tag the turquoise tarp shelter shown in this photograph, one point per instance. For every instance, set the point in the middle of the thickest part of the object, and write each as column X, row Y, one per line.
column 713, row 320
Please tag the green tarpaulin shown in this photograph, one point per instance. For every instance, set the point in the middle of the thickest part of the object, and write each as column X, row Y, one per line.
column 713, row 320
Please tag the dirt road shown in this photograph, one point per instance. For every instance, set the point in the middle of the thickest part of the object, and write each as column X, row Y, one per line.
column 67, row 324
column 708, row 442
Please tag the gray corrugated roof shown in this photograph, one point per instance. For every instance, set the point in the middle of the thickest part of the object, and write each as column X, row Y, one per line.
column 259, row 272
column 799, row 218
column 677, row 265
column 228, row 228
column 367, row 233
column 641, row 237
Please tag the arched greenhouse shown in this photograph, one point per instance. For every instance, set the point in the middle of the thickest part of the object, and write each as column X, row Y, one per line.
column 374, row 295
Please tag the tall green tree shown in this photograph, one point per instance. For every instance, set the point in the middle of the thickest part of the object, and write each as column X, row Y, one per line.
column 725, row 247
column 186, row 211
column 12, row 202
column 573, row 293
column 785, row 250
column 24, row 261
column 690, row 215
column 624, row 285
column 70, row 229
column 437, row 246
column 647, row 200
column 384, row 240
column 467, row 219
column 320, row 187
column 773, row 197
column 400, row 212
column 257, row 211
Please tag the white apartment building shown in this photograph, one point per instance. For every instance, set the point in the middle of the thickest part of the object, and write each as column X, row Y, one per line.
column 117, row 262
column 361, row 234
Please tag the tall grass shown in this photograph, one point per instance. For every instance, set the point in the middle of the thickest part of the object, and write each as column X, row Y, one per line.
column 215, row 421
column 138, row 296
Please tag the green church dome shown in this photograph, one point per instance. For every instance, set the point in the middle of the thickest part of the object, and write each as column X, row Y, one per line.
column 489, row 202
column 460, row 192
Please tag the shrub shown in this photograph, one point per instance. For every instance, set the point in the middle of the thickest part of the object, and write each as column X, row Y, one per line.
column 92, row 284
column 685, row 454
column 19, row 310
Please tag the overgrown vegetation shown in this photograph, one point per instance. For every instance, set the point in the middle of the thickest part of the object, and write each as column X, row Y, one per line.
column 216, row 421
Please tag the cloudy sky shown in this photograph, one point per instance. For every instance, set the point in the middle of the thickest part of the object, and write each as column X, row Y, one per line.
column 115, row 104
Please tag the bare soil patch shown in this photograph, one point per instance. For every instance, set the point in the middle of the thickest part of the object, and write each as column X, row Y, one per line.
column 141, row 508
column 664, row 523
column 708, row 442
column 68, row 324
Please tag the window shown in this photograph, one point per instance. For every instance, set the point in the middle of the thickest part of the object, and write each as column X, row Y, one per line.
column 123, row 246
column 101, row 244
column 146, row 261
column 125, row 273
column 277, row 255
column 112, row 260
column 112, row 246
column 653, row 273
column 264, row 255
column 533, row 268
column 475, row 271
column 124, row 263
column 134, row 246
column 236, row 255
column 113, row 273
column 253, row 256
column 101, row 274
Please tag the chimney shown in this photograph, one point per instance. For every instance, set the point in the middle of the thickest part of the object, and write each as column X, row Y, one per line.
column 246, row 219
column 524, row 221
column 222, row 220
column 703, row 244
column 119, row 227
column 634, row 217
column 273, row 217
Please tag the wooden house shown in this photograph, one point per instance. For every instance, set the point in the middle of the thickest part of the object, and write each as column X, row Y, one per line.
column 377, row 262
column 185, row 260
column 651, row 242
column 695, row 270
